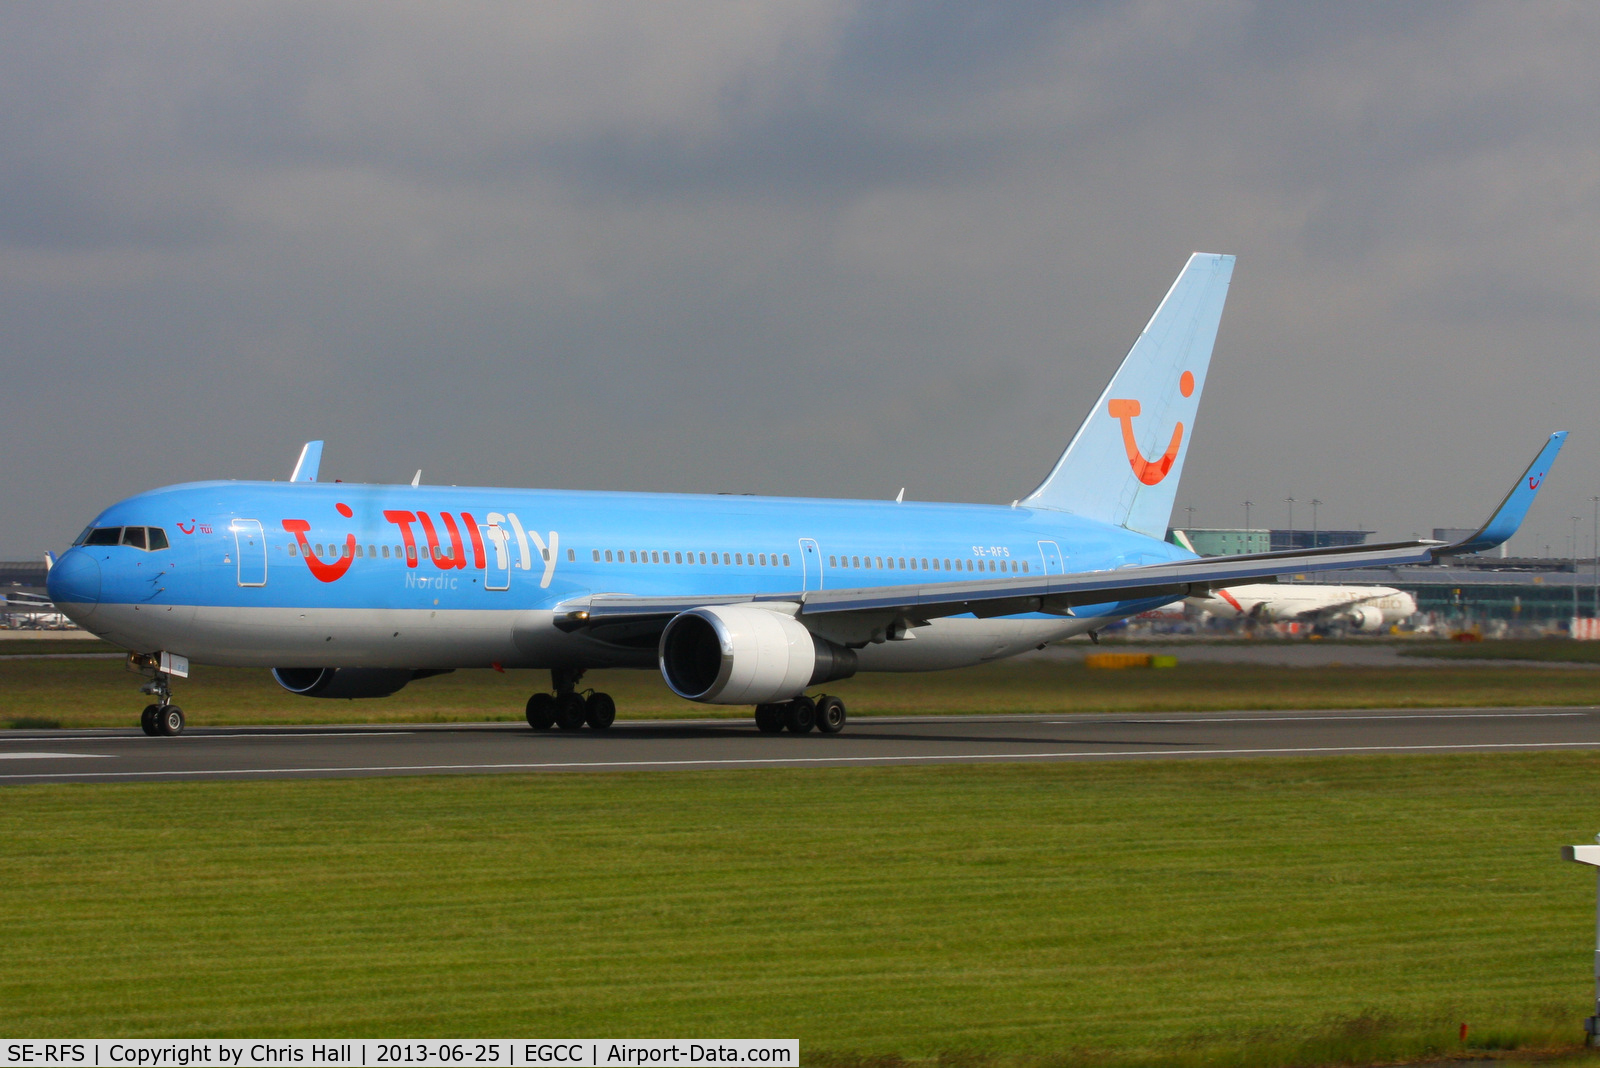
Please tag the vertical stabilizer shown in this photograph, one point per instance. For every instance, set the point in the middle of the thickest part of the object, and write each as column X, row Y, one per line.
column 1125, row 461
column 305, row 468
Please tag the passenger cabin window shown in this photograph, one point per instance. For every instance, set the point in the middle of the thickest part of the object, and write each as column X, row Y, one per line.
column 293, row 549
column 386, row 552
column 572, row 556
column 608, row 556
column 785, row 559
column 763, row 559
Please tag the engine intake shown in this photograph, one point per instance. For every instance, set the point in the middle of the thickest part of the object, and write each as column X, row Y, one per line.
column 348, row 683
column 1365, row 617
column 738, row 655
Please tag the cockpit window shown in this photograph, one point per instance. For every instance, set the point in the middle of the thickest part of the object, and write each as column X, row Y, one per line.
column 81, row 538
column 152, row 539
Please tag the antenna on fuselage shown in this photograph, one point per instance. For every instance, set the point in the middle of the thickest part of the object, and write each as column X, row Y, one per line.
column 417, row 478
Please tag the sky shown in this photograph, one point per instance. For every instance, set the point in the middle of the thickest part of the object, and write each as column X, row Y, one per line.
column 797, row 248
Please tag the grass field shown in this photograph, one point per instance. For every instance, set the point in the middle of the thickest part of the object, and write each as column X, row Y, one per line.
column 1224, row 912
column 101, row 693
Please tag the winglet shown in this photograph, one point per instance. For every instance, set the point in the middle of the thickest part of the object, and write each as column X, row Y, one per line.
column 1508, row 517
column 305, row 469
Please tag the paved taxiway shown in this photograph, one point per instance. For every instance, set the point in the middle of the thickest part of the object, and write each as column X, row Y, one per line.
column 500, row 748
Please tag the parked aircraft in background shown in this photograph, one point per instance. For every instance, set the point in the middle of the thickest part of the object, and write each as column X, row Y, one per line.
column 1362, row 608
column 355, row 590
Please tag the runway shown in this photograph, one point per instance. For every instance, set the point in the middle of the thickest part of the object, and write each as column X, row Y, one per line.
column 504, row 748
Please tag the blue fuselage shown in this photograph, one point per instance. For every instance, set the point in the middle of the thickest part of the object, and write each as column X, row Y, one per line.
column 361, row 575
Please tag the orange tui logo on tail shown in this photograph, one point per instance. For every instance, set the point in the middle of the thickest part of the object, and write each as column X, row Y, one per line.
column 1149, row 472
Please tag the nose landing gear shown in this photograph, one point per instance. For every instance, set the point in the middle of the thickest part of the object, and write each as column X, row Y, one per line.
column 163, row 717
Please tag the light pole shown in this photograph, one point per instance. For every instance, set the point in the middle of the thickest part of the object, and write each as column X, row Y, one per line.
column 1314, row 504
column 1574, row 567
column 1247, row 514
column 1590, row 854
column 1190, row 509
column 1290, row 501
column 1594, row 545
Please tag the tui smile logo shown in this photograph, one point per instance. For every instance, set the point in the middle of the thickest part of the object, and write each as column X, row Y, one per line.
column 1149, row 472
column 325, row 571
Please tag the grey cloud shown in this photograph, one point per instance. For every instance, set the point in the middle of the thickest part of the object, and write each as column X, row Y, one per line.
column 792, row 248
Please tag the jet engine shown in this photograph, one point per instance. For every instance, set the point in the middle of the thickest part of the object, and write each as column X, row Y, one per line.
column 1365, row 617
column 738, row 655
column 347, row 683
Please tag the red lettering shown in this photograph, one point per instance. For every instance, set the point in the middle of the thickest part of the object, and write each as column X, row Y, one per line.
column 458, row 552
column 324, row 571
column 403, row 520
column 477, row 539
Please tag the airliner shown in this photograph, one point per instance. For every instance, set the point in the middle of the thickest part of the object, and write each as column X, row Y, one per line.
column 1359, row 608
column 354, row 590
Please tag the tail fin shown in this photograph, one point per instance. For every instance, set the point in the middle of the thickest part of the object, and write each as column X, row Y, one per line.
column 1125, row 461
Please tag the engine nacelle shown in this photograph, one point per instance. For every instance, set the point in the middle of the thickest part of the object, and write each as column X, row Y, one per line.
column 1365, row 617
column 344, row 682
column 738, row 655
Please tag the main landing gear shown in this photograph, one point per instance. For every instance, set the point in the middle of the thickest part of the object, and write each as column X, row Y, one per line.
column 162, row 717
column 799, row 716
column 567, row 708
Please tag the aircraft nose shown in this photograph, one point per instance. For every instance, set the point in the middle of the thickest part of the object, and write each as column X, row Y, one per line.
column 74, row 584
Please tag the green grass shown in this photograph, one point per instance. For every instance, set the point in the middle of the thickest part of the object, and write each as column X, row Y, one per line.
column 102, row 693
column 1222, row 912
column 1548, row 649
column 38, row 646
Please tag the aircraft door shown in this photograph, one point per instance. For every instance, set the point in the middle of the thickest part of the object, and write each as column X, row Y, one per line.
column 250, row 549
column 810, row 565
column 497, row 572
column 1052, row 558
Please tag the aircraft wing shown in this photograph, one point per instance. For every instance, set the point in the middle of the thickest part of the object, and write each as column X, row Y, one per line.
column 880, row 607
